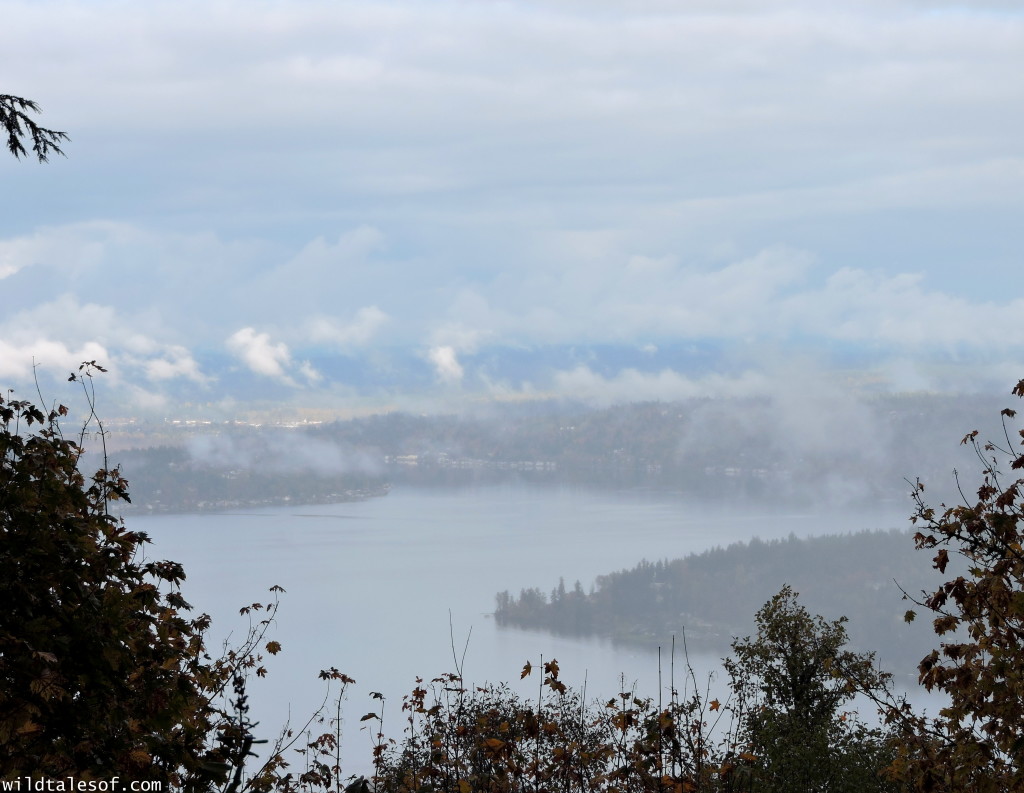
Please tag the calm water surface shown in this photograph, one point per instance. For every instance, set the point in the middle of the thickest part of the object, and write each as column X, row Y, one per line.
column 371, row 586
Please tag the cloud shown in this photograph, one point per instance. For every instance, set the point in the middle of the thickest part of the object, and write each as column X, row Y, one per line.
column 58, row 335
column 19, row 360
column 280, row 451
column 516, row 175
column 260, row 354
column 631, row 385
column 267, row 358
column 357, row 333
column 175, row 362
column 311, row 375
column 447, row 368
column 901, row 312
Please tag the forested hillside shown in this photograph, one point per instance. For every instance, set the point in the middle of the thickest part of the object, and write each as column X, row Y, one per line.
column 756, row 450
column 713, row 595
column 169, row 479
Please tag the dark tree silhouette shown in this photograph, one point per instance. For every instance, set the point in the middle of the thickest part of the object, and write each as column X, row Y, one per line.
column 976, row 743
column 19, row 126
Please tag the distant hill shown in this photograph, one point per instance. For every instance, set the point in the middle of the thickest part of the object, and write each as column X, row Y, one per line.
column 845, row 453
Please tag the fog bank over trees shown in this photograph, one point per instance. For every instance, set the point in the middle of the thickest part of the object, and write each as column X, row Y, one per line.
column 854, row 452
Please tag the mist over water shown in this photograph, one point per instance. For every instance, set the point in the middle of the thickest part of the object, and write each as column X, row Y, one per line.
column 370, row 585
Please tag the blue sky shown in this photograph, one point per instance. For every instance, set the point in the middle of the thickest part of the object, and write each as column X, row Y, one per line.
column 313, row 200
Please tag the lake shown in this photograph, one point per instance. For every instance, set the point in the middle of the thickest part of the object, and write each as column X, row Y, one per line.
column 373, row 587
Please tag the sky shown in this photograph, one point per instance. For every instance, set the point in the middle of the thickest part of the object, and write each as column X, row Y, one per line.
column 428, row 203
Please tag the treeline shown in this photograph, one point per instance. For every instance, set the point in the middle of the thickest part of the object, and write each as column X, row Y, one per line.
column 170, row 479
column 713, row 595
column 756, row 450
column 858, row 452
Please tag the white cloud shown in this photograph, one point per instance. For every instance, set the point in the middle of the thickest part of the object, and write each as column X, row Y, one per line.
column 66, row 249
column 19, row 359
column 60, row 334
column 261, row 355
column 176, row 361
column 631, row 385
column 446, row 364
column 513, row 174
column 357, row 333
column 457, row 335
column 899, row 312
column 307, row 370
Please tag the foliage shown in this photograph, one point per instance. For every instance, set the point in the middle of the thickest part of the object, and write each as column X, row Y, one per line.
column 790, row 684
column 99, row 669
column 781, row 729
column 976, row 743
column 102, row 672
column 17, row 124
column 490, row 739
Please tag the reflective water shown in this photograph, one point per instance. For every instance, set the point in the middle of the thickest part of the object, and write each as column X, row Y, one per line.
column 382, row 589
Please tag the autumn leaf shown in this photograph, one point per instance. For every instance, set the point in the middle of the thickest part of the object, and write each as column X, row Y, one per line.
column 715, row 704
column 273, row 647
column 29, row 727
column 527, row 668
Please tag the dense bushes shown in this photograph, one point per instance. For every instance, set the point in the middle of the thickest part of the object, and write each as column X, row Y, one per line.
column 780, row 730
column 100, row 672
column 103, row 673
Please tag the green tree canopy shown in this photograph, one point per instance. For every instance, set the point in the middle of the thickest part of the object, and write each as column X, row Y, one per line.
column 791, row 683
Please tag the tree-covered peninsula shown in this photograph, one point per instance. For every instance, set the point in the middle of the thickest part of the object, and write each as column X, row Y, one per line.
column 711, row 596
